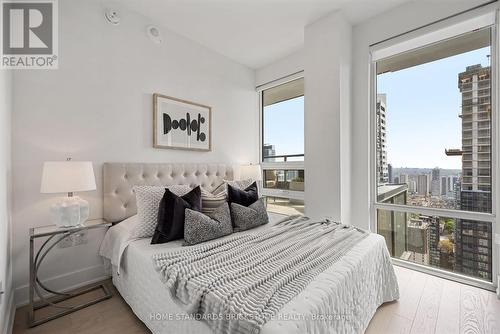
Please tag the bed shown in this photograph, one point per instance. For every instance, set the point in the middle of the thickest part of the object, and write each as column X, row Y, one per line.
column 341, row 299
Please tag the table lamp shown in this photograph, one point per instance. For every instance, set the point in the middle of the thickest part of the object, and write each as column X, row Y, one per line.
column 251, row 171
column 68, row 177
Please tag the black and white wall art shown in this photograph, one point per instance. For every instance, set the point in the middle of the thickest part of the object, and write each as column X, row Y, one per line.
column 181, row 124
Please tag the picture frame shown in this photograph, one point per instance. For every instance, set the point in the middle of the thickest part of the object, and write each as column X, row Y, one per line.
column 180, row 124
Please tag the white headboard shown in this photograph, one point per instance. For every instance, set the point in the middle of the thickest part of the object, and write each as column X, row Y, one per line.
column 120, row 178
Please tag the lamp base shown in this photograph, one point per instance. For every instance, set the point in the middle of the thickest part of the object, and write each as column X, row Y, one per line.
column 69, row 212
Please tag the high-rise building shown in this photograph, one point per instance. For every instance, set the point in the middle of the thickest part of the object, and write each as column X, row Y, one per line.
column 444, row 185
column 403, row 178
column 389, row 173
column 474, row 85
column 418, row 241
column 435, row 181
column 423, row 184
column 452, row 190
column 450, row 185
column 423, row 240
column 412, row 186
column 268, row 151
column 382, row 168
column 457, row 188
column 434, row 238
column 473, row 239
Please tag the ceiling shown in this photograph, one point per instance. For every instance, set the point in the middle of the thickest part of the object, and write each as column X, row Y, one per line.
column 251, row 32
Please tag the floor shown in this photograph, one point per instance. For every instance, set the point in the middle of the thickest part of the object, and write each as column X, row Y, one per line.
column 111, row 316
column 428, row 304
column 285, row 206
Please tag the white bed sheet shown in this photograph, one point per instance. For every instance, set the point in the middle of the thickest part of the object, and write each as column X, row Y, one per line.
column 343, row 299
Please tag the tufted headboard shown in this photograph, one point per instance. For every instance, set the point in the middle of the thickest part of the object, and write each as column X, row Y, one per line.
column 120, row 178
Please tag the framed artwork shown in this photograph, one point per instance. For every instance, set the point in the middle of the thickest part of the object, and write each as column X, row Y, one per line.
column 181, row 124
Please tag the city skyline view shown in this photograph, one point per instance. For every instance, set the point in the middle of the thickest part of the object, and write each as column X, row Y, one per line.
column 428, row 111
column 433, row 150
column 284, row 126
column 432, row 114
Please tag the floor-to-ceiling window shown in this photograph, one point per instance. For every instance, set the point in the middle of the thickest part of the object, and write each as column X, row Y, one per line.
column 282, row 146
column 433, row 155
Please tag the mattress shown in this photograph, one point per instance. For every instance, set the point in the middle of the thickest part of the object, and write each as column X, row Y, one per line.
column 342, row 299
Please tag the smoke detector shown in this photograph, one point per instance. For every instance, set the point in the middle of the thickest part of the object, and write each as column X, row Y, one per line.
column 154, row 34
column 112, row 16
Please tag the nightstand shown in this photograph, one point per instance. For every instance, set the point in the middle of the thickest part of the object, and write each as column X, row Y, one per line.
column 53, row 235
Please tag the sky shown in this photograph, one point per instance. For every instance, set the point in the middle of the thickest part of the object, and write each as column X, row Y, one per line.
column 284, row 126
column 423, row 104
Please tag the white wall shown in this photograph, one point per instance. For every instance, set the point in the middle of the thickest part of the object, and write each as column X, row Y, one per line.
column 327, row 60
column 283, row 67
column 399, row 20
column 98, row 106
column 6, row 300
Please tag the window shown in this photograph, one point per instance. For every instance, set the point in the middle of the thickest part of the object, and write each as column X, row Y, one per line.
column 432, row 113
column 282, row 150
column 283, row 122
column 436, row 241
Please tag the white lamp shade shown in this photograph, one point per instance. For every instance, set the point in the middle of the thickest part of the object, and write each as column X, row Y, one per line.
column 67, row 176
column 251, row 172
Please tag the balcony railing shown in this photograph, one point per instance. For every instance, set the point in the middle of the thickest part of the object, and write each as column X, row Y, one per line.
column 284, row 158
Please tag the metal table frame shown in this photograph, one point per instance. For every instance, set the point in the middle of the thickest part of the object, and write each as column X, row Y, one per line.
column 56, row 235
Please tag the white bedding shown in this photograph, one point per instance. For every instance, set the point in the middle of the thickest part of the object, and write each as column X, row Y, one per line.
column 342, row 299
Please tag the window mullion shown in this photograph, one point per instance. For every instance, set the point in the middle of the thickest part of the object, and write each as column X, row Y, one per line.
column 449, row 213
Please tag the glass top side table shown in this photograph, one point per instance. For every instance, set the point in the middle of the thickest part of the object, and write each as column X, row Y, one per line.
column 53, row 236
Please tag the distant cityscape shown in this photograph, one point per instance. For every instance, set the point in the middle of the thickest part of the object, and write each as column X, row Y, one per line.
column 433, row 188
column 458, row 245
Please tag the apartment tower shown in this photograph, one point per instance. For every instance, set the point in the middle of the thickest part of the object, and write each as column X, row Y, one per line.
column 473, row 239
column 382, row 167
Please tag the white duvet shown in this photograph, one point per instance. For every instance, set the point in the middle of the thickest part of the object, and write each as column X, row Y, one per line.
column 342, row 299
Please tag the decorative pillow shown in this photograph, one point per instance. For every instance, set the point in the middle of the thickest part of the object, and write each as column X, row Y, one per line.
column 210, row 201
column 243, row 197
column 171, row 215
column 199, row 227
column 148, row 201
column 221, row 189
column 245, row 218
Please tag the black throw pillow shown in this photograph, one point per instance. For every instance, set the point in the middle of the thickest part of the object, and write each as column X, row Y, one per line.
column 243, row 197
column 170, row 224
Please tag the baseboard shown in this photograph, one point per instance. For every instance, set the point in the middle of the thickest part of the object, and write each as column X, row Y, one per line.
column 69, row 281
column 9, row 317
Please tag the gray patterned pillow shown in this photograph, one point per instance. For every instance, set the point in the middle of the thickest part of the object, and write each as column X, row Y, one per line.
column 199, row 227
column 245, row 218
column 148, row 202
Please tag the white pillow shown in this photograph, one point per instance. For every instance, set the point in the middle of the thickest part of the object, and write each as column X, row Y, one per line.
column 148, row 202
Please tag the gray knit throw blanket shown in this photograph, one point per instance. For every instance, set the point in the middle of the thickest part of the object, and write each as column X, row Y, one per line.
column 238, row 283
